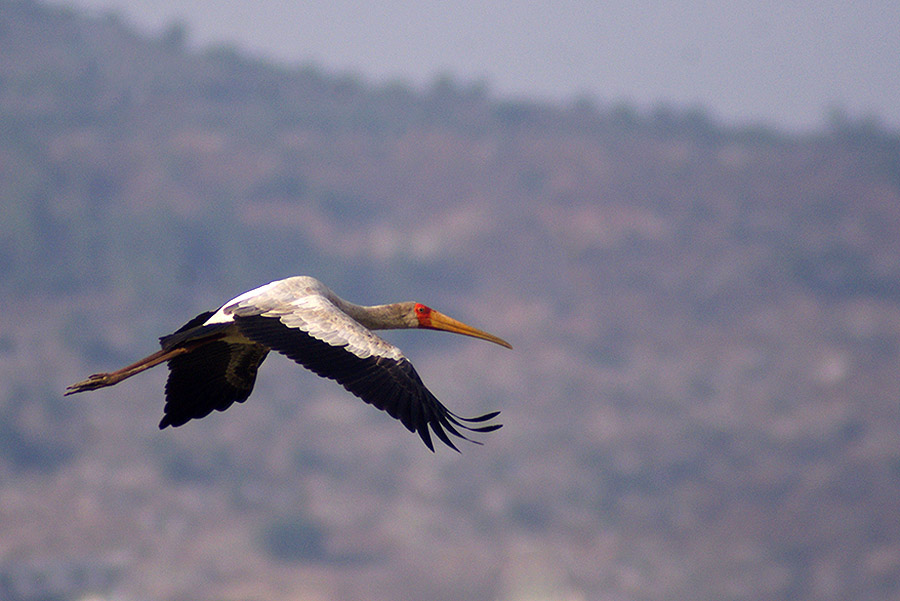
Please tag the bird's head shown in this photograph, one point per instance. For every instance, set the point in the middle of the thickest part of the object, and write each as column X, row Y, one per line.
column 426, row 317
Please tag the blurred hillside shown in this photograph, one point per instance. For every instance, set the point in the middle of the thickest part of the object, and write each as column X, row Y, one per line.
column 701, row 403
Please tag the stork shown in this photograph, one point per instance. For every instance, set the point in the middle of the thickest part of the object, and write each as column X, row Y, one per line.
column 213, row 359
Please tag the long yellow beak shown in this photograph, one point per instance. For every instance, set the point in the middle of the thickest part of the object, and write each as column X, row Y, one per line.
column 439, row 321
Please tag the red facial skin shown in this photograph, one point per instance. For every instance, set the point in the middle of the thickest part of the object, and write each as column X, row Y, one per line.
column 423, row 314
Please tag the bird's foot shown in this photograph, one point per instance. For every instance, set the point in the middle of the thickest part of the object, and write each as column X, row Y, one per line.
column 93, row 382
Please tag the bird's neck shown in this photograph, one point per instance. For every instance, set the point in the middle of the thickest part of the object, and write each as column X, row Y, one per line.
column 378, row 317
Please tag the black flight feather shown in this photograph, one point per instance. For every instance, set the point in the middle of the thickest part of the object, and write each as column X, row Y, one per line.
column 391, row 385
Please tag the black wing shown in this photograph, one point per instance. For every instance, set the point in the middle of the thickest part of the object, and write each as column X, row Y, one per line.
column 389, row 384
column 212, row 376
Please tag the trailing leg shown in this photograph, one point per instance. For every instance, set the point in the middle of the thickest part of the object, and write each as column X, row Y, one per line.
column 102, row 380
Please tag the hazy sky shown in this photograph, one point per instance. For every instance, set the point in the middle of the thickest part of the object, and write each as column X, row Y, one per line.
column 785, row 62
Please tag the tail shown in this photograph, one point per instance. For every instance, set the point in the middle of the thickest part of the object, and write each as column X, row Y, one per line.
column 108, row 379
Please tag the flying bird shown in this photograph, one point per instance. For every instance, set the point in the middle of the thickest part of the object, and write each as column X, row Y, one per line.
column 213, row 359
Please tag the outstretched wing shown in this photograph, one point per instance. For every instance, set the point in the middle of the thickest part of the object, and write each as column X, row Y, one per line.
column 318, row 335
column 212, row 376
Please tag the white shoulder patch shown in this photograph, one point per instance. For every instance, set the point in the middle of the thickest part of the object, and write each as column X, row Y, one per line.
column 321, row 319
column 302, row 303
column 221, row 316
